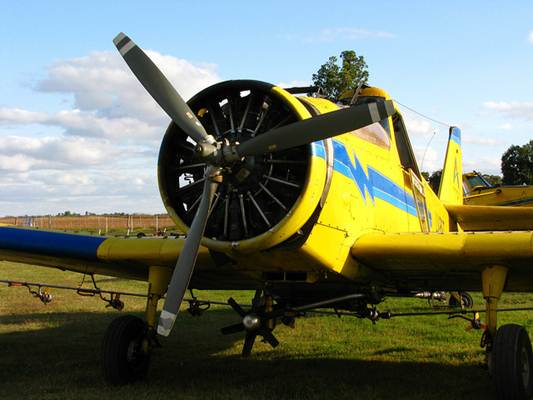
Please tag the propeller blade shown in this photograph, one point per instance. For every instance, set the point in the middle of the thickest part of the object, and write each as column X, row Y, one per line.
column 185, row 265
column 249, row 341
column 269, row 337
column 317, row 128
column 160, row 88
column 238, row 309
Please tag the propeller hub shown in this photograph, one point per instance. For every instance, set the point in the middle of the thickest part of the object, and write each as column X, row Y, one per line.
column 230, row 154
column 210, row 152
column 251, row 322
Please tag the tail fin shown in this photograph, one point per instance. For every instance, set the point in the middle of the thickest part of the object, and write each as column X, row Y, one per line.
column 451, row 183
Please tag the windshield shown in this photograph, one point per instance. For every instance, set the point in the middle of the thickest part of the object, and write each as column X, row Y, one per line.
column 477, row 181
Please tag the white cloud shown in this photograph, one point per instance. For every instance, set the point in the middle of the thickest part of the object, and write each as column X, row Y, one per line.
column 55, row 152
column 428, row 158
column 513, row 109
column 85, row 124
column 19, row 116
column 481, row 140
column 417, row 126
column 530, row 37
column 104, row 157
column 46, row 191
column 486, row 165
column 294, row 83
column 109, row 102
column 328, row 35
column 103, row 82
column 342, row 33
column 18, row 162
column 506, row 127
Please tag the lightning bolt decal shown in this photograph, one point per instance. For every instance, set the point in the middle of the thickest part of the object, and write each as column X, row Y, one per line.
column 371, row 181
column 357, row 172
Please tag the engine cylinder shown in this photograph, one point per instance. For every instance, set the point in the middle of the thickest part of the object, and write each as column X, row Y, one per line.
column 262, row 200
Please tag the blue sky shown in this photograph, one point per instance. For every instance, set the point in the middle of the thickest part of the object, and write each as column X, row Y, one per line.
column 74, row 135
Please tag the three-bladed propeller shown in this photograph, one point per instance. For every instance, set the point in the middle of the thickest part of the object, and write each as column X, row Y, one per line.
column 220, row 154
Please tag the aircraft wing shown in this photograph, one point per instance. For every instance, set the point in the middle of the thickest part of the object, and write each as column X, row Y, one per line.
column 121, row 257
column 492, row 218
column 448, row 260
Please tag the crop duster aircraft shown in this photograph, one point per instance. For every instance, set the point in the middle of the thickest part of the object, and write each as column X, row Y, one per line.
column 310, row 204
column 480, row 192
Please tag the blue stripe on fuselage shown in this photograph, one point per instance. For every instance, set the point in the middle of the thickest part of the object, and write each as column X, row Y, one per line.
column 317, row 149
column 373, row 182
column 387, row 190
column 50, row 243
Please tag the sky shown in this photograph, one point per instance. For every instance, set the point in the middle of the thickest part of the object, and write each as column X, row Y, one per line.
column 79, row 133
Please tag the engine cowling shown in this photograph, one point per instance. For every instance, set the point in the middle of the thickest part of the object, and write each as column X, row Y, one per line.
column 262, row 200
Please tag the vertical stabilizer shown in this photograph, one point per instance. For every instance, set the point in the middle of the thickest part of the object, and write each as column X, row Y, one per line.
column 451, row 183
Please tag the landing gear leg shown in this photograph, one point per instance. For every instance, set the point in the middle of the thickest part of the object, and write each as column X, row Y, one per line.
column 493, row 280
column 129, row 340
column 509, row 352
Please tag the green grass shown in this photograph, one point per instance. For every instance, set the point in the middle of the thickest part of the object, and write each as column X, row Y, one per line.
column 52, row 351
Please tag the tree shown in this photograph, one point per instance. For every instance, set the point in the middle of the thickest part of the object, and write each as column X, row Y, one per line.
column 517, row 165
column 434, row 180
column 335, row 80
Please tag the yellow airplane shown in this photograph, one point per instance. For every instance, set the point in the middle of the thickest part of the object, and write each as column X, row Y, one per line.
column 480, row 192
column 310, row 204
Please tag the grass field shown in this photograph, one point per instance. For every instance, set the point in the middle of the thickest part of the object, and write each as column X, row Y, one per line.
column 52, row 351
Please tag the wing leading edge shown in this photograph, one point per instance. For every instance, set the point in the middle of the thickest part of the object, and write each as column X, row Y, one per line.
column 121, row 257
column 454, row 258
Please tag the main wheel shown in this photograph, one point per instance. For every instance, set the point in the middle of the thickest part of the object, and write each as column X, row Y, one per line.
column 466, row 298
column 123, row 358
column 512, row 363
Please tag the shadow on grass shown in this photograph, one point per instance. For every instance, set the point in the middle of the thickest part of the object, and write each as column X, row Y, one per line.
column 57, row 356
column 392, row 350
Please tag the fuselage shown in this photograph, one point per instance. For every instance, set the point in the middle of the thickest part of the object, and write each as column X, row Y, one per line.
column 370, row 185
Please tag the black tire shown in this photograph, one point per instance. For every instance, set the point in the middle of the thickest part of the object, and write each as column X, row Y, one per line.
column 512, row 363
column 467, row 300
column 123, row 358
